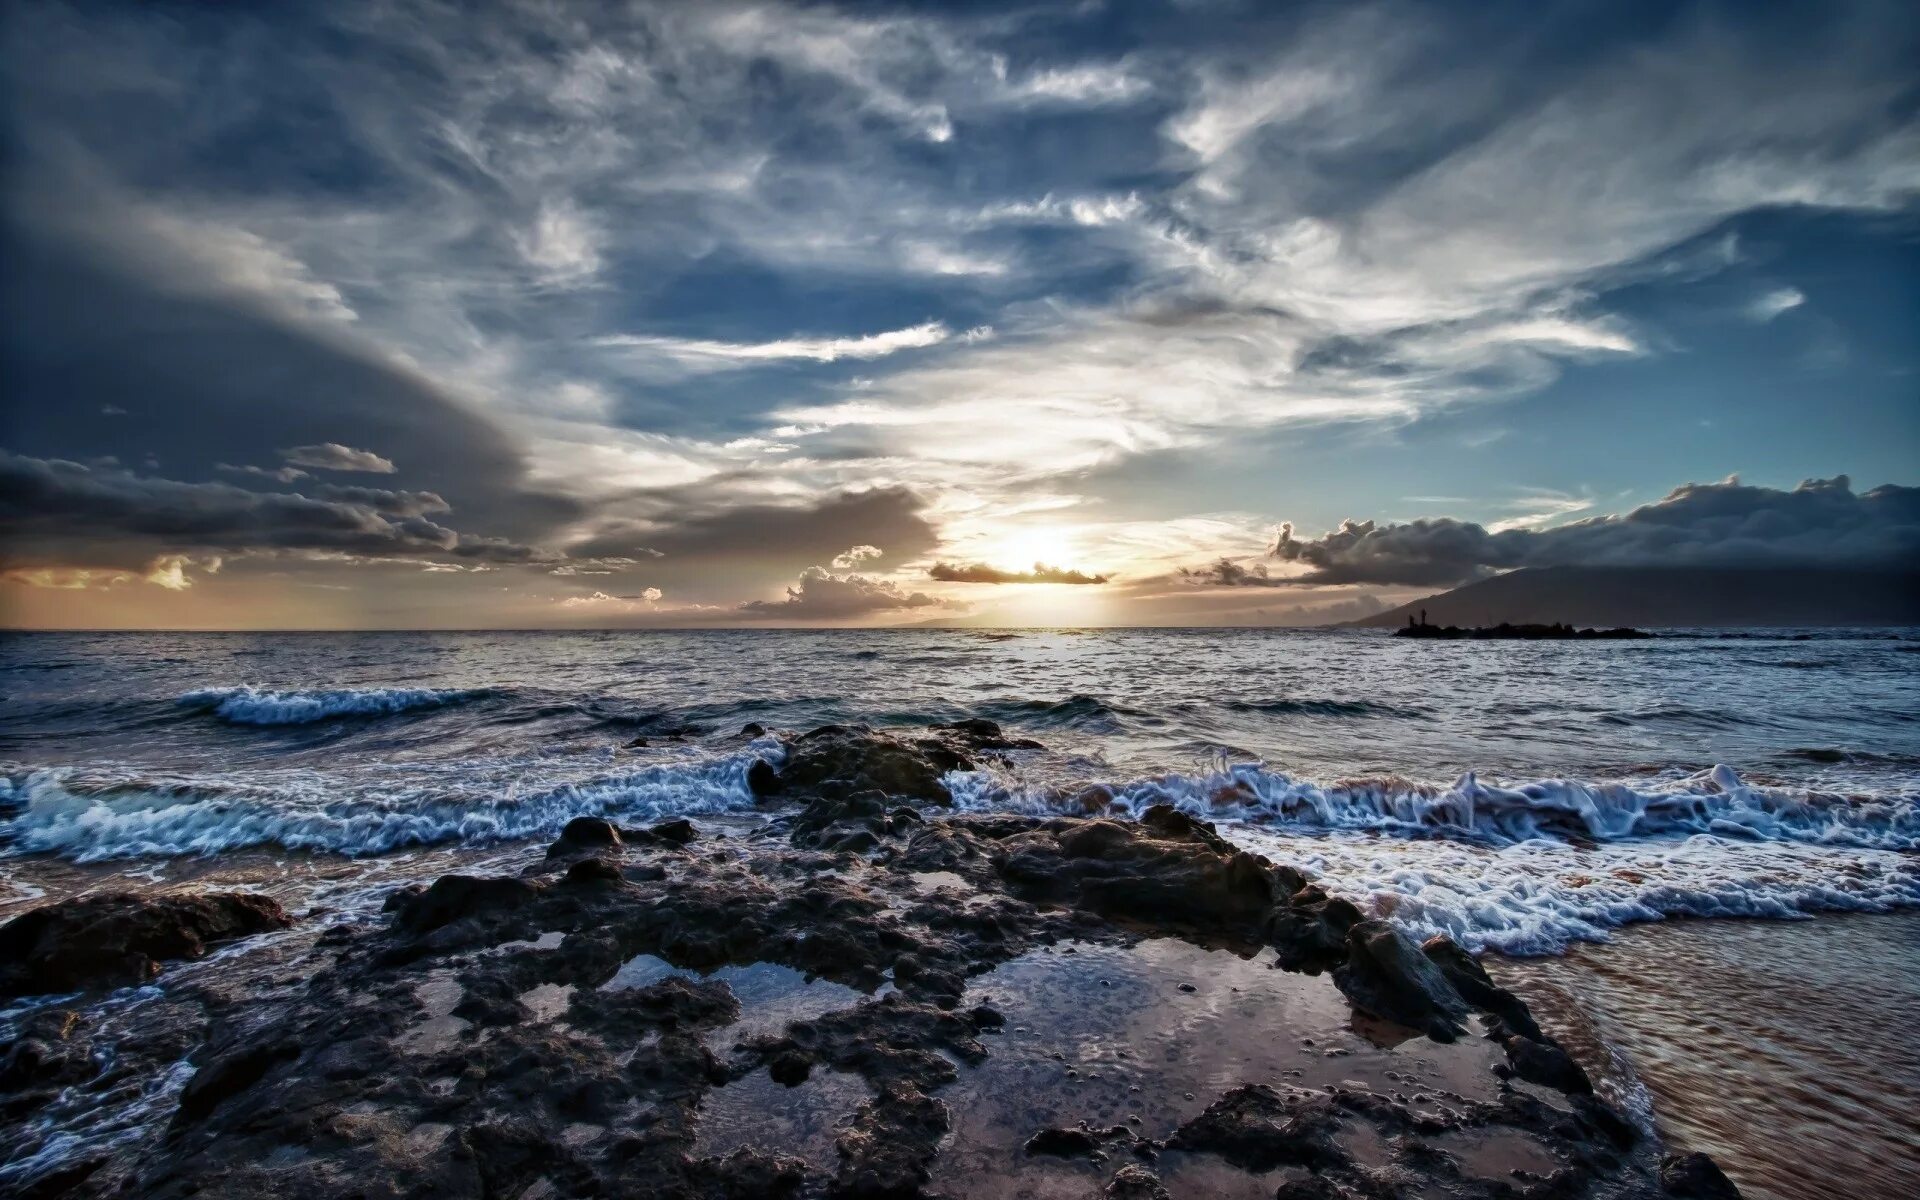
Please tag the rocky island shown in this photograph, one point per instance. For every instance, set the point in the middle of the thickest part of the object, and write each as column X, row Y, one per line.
column 1516, row 633
column 868, row 995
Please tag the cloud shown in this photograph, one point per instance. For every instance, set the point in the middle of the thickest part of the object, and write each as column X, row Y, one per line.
column 1820, row 523
column 1771, row 304
column 854, row 556
column 332, row 456
column 822, row 594
column 67, row 514
column 696, row 355
column 277, row 474
column 702, row 538
column 981, row 573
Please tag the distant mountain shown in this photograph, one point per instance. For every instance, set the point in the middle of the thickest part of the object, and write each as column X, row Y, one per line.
column 1669, row 596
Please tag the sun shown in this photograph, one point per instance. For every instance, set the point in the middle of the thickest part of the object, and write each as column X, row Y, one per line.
column 1021, row 548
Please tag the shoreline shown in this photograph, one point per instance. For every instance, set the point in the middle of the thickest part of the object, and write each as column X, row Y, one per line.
column 1111, row 998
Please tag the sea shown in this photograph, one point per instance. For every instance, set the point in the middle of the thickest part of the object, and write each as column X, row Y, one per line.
column 1535, row 800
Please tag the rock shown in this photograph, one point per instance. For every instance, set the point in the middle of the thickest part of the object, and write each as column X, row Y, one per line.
column 225, row 1078
column 1175, row 875
column 1477, row 988
column 980, row 734
column 1135, row 1182
column 1257, row 1129
column 1546, row 1064
column 455, row 896
column 679, row 832
column 584, row 835
column 1310, row 930
column 44, row 1054
column 753, row 729
column 1316, row 1187
column 887, row 1151
column 1695, row 1177
column 1387, row 976
column 1081, row 1141
column 763, row 780
column 118, row 939
column 853, row 758
column 1063, row 1143
column 592, row 871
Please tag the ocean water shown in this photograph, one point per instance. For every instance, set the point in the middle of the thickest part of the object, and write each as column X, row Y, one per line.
column 1518, row 796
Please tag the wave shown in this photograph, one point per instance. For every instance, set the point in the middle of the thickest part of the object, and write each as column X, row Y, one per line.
column 1087, row 713
column 305, row 706
column 1716, row 802
column 1323, row 708
column 54, row 812
column 1538, row 897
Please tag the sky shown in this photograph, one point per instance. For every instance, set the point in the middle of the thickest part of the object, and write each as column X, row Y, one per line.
column 416, row 315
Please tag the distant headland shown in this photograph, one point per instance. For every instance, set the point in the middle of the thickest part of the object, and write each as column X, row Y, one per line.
column 1656, row 597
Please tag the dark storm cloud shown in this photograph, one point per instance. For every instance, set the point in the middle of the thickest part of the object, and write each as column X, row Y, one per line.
column 982, row 573
column 69, row 514
column 820, row 593
column 332, row 456
column 209, row 376
column 773, row 538
column 1820, row 523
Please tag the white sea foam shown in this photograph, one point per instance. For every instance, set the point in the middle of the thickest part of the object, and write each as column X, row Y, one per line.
column 91, row 820
column 304, row 706
column 1714, row 802
column 1537, row 897
column 1531, row 869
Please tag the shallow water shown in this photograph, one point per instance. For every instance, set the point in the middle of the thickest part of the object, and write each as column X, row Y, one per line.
column 1789, row 1052
column 1147, row 1036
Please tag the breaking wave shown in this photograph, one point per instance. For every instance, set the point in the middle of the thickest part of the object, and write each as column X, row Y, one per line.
column 304, row 706
column 54, row 812
column 1716, row 802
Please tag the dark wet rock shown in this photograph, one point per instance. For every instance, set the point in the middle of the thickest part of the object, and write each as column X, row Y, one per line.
column 118, row 939
column 1477, row 988
column 1176, row 875
column 1546, row 1064
column 763, row 779
column 42, row 1050
column 584, row 835
column 678, row 832
column 1695, row 1177
column 590, row 871
column 981, row 735
column 1314, row 1187
column 1257, row 1128
column 853, row 758
column 1310, row 930
column 888, row 1150
column 1135, row 1182
column 452, row 897
column 221, row 1080
column 1080, row 1141
column 749, row 1174
column 752, row 729
column 1386, row 975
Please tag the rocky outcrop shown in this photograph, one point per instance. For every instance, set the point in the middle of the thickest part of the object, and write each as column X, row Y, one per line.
column 1167, row 869
column 1386, row 975
column 846, row 759
column 561, row 1033
column 118, row 939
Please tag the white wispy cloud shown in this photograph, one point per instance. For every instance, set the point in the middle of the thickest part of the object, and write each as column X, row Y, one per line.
column 702, row 354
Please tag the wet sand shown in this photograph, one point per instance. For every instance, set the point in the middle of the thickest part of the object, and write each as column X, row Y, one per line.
column 1788, row 1050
